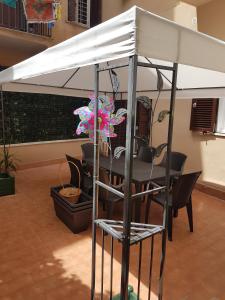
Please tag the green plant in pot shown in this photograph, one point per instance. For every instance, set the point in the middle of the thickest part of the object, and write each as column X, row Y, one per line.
column 7, row 167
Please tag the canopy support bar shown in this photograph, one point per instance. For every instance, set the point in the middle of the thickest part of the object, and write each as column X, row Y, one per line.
column 112, row 67
column 68, row 80
column 131, row 104
column 95, row 186
column 159, row 71
column 154, row 66
column 166, row 204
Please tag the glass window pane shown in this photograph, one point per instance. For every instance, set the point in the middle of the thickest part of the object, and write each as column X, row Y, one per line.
column 220, row 128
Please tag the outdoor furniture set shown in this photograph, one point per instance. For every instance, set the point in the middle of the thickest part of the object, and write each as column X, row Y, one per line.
column 77, row 215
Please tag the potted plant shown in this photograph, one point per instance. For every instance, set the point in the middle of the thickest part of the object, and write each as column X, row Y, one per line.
column 7, row 166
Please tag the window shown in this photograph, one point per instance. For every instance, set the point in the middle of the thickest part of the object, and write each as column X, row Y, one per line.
column 220, row 126
column 84, row 12
column 208, row 115
column 203, row 115
column 79, row 12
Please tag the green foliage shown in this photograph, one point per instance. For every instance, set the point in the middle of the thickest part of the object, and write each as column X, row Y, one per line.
column 159, row 149
column 162, row 115
column 159, row 81
column 7, row 161
column 40, row 117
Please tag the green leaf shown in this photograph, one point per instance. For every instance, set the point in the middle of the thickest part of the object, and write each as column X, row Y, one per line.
column 7, row 163
column 159, row 81
column 162, row 115
column 121, row 112
column 145, row 101
column 118, row 151
column 159, row 149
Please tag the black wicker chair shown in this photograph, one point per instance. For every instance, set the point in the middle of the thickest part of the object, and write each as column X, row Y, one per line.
column 108, row 199
column 177, row 161
column 180, row 197
column 146, row 153
column 87, row 150
column 86, row 180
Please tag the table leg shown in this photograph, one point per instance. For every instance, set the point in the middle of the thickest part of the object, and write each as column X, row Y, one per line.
column 137, row 204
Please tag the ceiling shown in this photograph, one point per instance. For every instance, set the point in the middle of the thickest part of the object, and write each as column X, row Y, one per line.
column 197, row 2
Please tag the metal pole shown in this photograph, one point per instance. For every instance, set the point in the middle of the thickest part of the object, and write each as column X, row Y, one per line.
column 95, row 186
column 169, row 146
column 3, row 122
column 132, row 81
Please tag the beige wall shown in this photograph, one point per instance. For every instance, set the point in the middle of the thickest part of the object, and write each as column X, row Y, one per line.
column 64, row 29
column 36, row 153
column 177, row 11
column 111, row 8
column 204, row 153
column 211, row 18
column 186, row 15
column 27, row 44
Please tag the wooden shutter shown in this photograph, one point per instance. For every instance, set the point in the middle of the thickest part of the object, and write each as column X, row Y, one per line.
column 96, row 12
column 143, row 124
column 71, row 10
column 203, row 114
column 143, row 121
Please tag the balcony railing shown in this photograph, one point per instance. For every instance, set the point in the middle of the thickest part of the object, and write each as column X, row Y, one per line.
column 14, row 18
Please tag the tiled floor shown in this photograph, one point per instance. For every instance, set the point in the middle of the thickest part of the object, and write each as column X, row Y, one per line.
column 41, row 259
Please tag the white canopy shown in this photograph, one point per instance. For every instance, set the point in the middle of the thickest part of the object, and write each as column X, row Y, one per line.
column 201, row 58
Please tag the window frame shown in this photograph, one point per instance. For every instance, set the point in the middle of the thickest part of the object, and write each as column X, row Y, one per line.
column 76, row 13
column 200, row 121
column 220, row 107
column 206, row 115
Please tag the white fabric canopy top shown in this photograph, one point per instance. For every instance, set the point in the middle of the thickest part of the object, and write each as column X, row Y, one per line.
column 201, row 58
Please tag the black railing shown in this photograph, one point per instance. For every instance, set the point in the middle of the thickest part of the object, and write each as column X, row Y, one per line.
column 14, row 18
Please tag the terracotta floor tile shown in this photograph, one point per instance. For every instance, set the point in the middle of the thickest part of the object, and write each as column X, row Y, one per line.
column 40, row 259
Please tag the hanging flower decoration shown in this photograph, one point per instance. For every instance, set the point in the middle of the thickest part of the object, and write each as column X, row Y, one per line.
column 106, row 118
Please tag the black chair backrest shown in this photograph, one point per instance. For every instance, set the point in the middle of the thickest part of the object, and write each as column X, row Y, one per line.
column 104, row 177
column 177, row 161
column 146, row 153
column 87, row 150
column 141, row 141
column 182, row 189
column 74, row 180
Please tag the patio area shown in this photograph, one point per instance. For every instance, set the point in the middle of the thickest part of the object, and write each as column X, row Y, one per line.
column 41, row 259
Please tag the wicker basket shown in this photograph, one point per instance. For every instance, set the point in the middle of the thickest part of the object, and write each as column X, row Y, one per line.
column 71, row 193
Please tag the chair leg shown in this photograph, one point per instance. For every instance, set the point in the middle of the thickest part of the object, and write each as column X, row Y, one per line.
column 147, row 209
column 170, row 223
column 175, row 213
column 103, row 205
column 110, row 209
column 118, row 179
column 190, row 215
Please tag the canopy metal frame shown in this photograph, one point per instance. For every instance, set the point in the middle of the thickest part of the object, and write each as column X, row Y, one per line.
column 128, row 228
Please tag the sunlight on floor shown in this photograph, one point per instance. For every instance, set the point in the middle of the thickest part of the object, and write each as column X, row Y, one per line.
column 41, row 258
column 75, row 260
